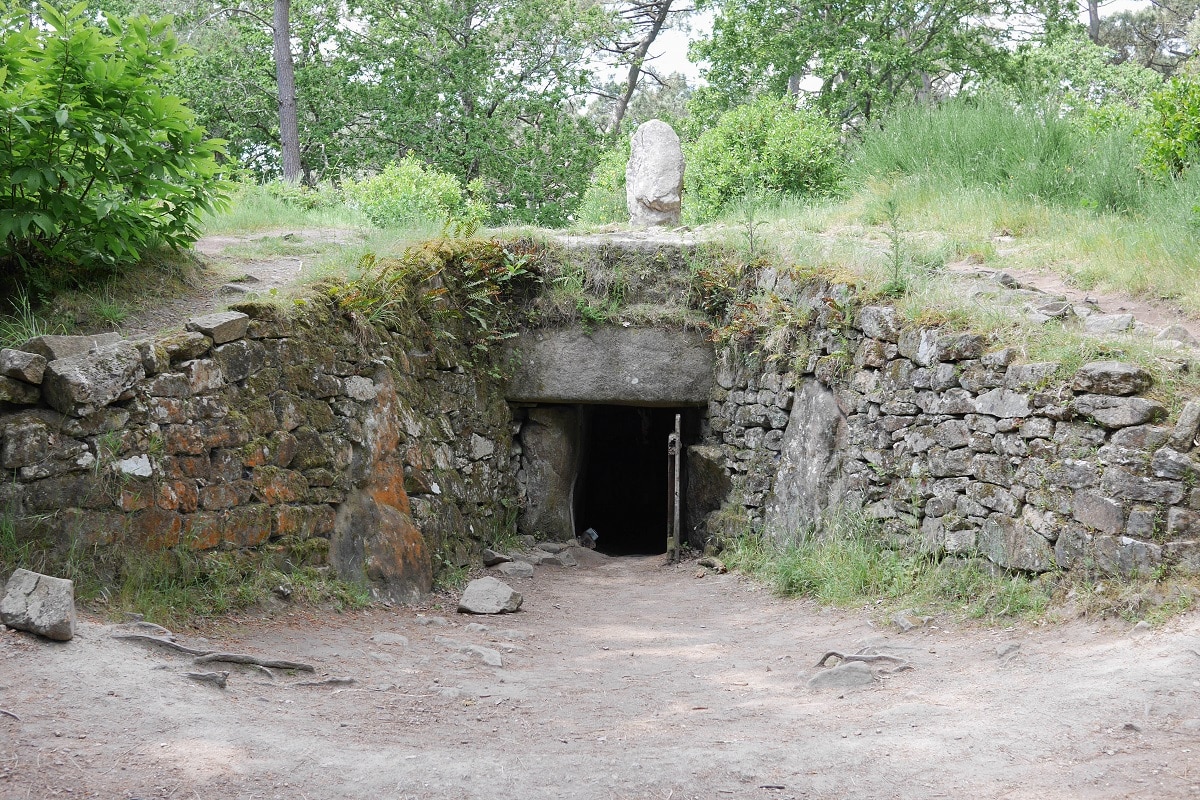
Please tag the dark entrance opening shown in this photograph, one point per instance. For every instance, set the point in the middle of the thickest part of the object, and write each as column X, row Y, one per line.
column 622, row 491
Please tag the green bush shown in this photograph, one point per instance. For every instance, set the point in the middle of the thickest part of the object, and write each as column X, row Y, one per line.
column 604, row 199
column 765, row 146
column 406, row 192
column 1172, row 133
column 98, row 163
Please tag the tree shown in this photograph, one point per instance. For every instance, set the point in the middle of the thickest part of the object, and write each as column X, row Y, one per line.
column 1154, row 36
column 285, row 87
column 485, row 90
column 279, row 109
column 100, row 163
column 643, row 21
column 864, row 54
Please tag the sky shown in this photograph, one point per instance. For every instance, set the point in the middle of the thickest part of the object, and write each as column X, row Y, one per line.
column 672, row 45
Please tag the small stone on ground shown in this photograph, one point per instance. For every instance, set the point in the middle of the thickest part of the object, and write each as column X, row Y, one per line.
column 854, row 675
column 489, row 596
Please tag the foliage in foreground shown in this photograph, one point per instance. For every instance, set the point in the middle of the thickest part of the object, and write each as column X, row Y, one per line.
column 101, row 163
column 846, row 564
column 453, row 294
column 180, row 585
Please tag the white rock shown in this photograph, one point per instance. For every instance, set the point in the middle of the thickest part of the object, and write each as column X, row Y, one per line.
column 137, row 466
column 489, row 596
column 654, row 175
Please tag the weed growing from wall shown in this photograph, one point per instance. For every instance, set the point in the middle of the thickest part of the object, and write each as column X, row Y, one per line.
column 461, row 295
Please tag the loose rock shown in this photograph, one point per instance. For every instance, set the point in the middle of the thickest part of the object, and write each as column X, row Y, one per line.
column 491, row 558
column 854, row 675
column 221, row 328
column 39, row 604
column 23, row 366
column 53, row 348
column 489, row 596
column 515, row 569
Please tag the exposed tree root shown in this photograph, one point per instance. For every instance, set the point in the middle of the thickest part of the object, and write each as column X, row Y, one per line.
column 868, row 656
column 167, row 643
column 242, row 658
column 4, row 713
column 208, row 656
column 217, row 679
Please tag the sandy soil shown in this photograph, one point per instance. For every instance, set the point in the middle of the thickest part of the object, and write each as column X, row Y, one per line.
column 627, row 678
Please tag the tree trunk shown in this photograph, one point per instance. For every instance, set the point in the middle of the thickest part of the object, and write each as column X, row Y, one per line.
column 1094, row 20
column 285, row 79
column 635, row 65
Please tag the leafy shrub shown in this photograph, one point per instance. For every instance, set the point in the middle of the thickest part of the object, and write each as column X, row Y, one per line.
column 100, row 163
column 604, row 199
column 767, row 145
column 407, row 191
column 1172, row 133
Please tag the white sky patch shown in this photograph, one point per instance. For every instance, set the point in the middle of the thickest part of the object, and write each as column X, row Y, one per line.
column 672, row 45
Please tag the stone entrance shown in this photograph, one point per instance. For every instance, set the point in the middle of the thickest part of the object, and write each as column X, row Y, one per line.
column 622, row 486
column 594, row 410
column 602, row 467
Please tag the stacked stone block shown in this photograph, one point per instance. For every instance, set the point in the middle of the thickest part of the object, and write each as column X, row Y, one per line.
column 251, row 426
column 958, row 449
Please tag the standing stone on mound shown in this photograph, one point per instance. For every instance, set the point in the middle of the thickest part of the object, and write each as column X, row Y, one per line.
column 489, row 596
column 39, row 604
column 654, row 176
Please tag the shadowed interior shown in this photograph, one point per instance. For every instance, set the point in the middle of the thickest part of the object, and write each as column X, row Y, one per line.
column 623, row 483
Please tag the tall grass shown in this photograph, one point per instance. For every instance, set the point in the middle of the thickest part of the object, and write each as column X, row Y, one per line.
column 846, row 564
column 1074, row 198
column 255, row 207
column 1024, row 152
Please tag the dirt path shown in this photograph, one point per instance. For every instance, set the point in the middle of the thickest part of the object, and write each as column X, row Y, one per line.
column 624, row 679
column 237, row 266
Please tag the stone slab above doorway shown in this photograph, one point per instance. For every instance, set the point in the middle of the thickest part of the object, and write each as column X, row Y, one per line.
column 609, row 365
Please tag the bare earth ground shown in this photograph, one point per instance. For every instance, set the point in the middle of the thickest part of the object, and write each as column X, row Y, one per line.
column 625, row 678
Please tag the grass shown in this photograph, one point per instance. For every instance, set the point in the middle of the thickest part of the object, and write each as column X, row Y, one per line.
column 180, row 585
column 23, row 323
column 254, row 208
column 847, row 565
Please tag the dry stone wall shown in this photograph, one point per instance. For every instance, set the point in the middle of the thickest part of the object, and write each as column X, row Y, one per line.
column 253, row 427
column 958, row 447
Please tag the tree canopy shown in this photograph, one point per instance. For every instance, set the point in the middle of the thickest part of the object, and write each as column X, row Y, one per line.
column 863, row 55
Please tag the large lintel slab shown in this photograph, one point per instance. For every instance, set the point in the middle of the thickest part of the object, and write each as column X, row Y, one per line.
column 612, row 366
